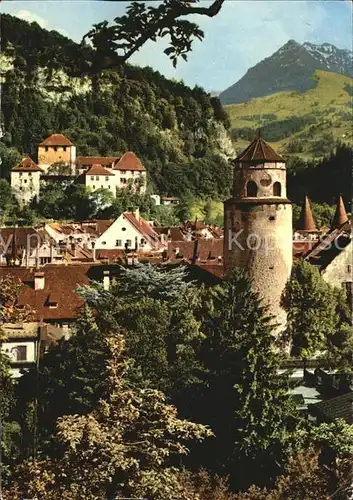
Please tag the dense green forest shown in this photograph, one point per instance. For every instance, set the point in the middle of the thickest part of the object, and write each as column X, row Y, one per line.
column 179, row 132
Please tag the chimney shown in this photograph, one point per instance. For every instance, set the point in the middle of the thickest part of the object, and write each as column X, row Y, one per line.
column 39, row 280
column 37, row 257
column 106, row 279
column 137, row 213
column 51, row 246
column 93, row 243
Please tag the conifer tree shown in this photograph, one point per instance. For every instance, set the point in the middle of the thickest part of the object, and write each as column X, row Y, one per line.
column 128, row 446
column 245, row 400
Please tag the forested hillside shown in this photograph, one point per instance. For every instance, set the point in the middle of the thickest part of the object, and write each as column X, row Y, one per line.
column 180, row 133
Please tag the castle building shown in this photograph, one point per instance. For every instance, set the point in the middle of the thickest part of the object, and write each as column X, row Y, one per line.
column 25, row 181
column 56, row 150
column 258, row 224
column 57, row 160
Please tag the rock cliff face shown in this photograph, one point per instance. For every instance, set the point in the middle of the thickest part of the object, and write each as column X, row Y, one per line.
column 47, row 88
column 290, row 68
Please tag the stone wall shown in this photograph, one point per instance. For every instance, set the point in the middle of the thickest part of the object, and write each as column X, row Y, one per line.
column 258, row 238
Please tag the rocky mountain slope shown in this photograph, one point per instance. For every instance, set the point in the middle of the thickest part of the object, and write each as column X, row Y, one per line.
column 179, row 133
column 291, row 68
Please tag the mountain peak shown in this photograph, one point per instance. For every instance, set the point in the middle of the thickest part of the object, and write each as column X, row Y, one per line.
column 290, row 68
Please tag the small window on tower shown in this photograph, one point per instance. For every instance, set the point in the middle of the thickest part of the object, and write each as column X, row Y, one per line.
column 277, row 189
column 251, row 189
column 272, row 217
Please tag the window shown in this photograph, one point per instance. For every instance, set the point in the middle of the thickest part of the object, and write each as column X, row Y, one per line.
column 25, row 181
column 349, row 269
column 97, row 178
column 46, row 148
column 92, row 178
column 19, row 353
column 94, row 187
column 128, row 243
column 272, row 217
column 29, row 174
column 104, row 242
column 123, row 181
column 118, row 243
column 20, row 188
column 55, row 148
column 132, row 172
column 108, row 187
column 123, row 228
column 20, row 174
column 107, row 178
column 251, row 189
column 64, row 148
column 277, row 189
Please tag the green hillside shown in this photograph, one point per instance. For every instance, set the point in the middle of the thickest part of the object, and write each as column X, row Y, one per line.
column 301, row 124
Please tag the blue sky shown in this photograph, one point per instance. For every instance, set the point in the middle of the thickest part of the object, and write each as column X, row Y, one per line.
column 242, row 34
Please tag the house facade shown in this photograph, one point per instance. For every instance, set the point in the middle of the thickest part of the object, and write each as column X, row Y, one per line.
column 25, row 181
column 130, row 232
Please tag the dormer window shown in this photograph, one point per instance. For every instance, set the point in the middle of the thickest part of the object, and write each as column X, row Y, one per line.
column 53, row 301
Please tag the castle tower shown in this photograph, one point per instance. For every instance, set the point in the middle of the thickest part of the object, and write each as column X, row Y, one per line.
column 340, row 215
column 258, row 224
column 57, row 150
column 25, row 181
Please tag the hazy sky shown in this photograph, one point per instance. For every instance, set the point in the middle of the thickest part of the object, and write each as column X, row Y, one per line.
column 242, row 34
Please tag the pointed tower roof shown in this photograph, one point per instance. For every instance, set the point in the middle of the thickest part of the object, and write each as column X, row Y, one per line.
column 340, row 215
column 306, row 220
column 259, row 151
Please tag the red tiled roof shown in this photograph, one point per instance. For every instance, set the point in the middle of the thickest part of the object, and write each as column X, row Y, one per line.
column 20, row 237
column 129, row 161
column 27, row 165
column 56, row 140
column 206, row 249
column 60, row 283
column 96, row 160
column 258, row 151
column 143, row 227
column 98, row 170
column 112, row 255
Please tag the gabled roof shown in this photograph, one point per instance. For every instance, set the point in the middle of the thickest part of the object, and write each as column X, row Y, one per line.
column 144, row 228
column 340, row 216
column 87, row 161
column 98, row 170
column 306, row 221
column 259, row 151
column 27, row 165
column 129, row 161
column 56, row 140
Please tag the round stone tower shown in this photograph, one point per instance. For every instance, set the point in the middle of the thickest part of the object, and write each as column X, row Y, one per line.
column 258, row 224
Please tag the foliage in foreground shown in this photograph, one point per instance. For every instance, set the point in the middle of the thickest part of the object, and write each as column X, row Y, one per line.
column 127, row 446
